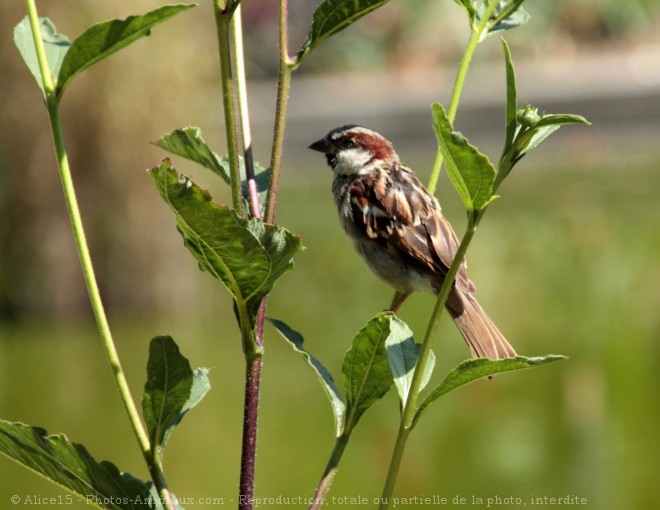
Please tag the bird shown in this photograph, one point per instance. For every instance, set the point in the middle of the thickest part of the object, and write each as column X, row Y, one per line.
column 398, row 228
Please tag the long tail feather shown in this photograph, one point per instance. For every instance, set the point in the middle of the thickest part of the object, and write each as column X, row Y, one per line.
column 480, row 333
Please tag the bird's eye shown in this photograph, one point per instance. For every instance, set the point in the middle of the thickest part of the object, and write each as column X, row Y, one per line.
column 347, row 143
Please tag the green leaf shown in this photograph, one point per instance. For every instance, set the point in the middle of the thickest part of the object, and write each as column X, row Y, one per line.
column 247, row 256
column 511, row 98
column 296, row 340
column 560, row 119
column 530, row 129
column 103, row 39
column 366, row 370
column 171, row 390
column 474, row 369
column 70, row 466
column 403, row 353
column 533, row 129
column 513, row 20
column 56, row 46
column 470, row 171
column 536, row 136
column 334, row 15
column 508, row 14
column 188, row 143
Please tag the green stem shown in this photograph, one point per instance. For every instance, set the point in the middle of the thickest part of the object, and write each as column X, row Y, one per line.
column 411, row 404
column 443, row 295
column 222, row 21
column 86, row 261
column 475, row 38
column 283, row 87
column 252, row 338
column 330, row 471
column 395, row 463
column 90, row 278
column 244, row 113
column 46, row 77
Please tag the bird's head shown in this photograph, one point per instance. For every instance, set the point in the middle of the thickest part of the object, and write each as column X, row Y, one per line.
column 355, row 150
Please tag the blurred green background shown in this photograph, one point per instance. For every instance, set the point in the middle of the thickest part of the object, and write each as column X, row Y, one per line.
column 568, row 261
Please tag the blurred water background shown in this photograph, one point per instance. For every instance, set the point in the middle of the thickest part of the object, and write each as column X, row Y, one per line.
column 568, row 261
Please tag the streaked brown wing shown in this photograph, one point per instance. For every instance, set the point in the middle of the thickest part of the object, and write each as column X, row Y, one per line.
column 394, row 208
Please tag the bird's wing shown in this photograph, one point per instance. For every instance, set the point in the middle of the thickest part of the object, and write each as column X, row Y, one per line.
column 394, row 208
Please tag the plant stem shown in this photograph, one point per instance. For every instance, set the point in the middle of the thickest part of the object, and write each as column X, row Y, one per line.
column 252, row 340
column 244, row 113
column 410, row 408
column 249, row 443
column 475, row 38
column 86, row 260
column 222, row 22
column 253, row 352
column 283, row 87
column 330, row 471
column 395, row 463
column 90, row 278
column 46, row 77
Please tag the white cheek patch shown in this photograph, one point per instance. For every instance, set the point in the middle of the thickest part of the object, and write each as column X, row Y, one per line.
column 352, row 161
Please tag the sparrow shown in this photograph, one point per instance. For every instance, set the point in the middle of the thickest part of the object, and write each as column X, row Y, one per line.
column 398, row 228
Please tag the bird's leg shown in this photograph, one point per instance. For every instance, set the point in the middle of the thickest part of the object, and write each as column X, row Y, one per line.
column 398, row 300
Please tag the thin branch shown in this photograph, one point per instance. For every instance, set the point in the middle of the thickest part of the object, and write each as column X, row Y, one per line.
column 222, row 21
column 46, row 77
column 409, row 409
column 244, row 114
column 329, row 473
column 283, row 88
column 252, row 339
column 86, row 263
column 475, row 38
column 249, row 443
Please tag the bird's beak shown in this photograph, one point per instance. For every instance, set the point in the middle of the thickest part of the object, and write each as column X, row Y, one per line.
column 323, row 145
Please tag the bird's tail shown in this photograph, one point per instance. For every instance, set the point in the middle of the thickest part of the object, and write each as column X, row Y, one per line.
column 480, row 333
